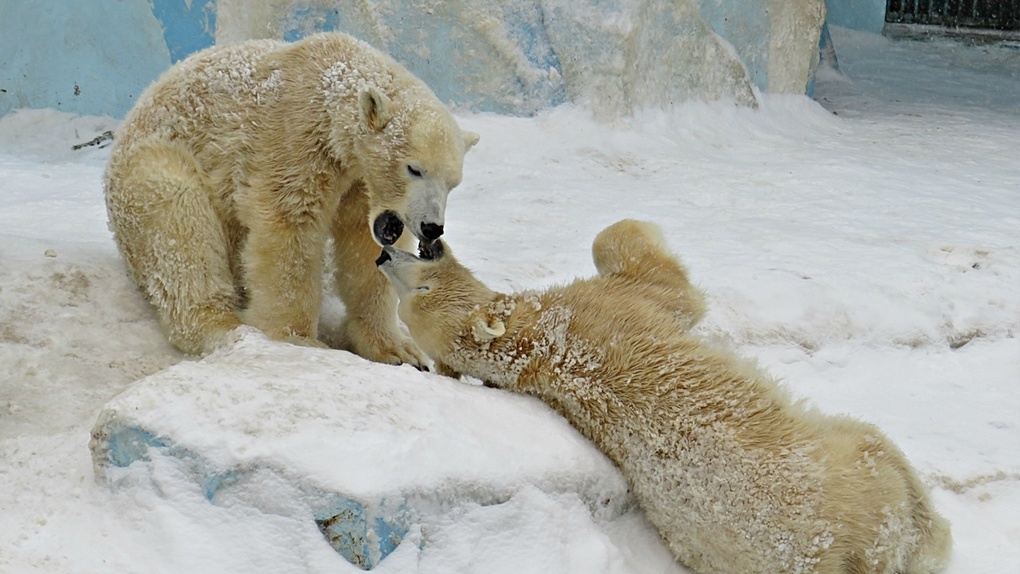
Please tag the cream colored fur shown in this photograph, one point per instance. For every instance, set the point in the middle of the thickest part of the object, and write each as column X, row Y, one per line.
column 235, row 168
column 738, row 477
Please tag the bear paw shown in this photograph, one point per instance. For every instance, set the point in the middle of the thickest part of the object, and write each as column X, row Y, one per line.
column 404, row 352
column 383, row 345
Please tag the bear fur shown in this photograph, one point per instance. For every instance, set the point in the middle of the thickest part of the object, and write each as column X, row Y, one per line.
column 235, row 168
column 736, row 476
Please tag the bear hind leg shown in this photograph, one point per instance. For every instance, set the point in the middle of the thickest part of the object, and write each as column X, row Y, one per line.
column 175, row 246
column 637, row 249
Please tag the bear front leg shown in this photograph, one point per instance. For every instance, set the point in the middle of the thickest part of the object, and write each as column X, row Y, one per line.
column 283, row 275
column 370, row 327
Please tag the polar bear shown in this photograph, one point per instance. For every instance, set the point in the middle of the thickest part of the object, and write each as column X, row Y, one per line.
column 736, row 475
column 236, row 167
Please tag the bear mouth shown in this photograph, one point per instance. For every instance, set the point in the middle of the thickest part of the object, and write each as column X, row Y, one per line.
column 430, row 251
column 387, row 228
column 427, row 251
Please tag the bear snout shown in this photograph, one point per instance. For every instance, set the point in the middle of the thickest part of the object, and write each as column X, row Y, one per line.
column 387, row 228
column 431, row 231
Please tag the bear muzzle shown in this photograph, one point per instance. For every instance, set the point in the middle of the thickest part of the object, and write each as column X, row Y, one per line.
column 426, row 252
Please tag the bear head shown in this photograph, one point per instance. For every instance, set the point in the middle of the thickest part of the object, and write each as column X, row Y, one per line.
column 442, row 303
column 411, row 151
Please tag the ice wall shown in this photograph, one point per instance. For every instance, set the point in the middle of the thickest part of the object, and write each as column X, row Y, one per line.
column 619, row 55
column 520, row 56
column 507, row 56
column 489, row 55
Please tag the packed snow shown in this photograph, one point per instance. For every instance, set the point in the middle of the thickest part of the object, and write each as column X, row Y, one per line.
column 862, row 247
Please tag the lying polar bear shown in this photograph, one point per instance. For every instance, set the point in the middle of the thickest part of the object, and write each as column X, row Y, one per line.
column 737, row 477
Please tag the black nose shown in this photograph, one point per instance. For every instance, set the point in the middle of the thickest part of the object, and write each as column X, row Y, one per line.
column 387, row 228
column 431, row 231
column 383, row 258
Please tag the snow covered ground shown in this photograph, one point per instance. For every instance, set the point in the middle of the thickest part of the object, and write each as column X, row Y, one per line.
column 865, row 250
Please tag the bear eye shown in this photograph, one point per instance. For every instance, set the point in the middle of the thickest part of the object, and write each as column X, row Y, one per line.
column 414, row 172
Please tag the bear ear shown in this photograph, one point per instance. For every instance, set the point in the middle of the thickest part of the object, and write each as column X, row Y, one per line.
column 470, row 139
column 487, row 330
column 374, row 105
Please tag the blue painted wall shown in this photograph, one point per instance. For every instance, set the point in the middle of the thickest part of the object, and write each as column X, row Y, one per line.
column 93, row 57
column 188, row 25
column 866, row 15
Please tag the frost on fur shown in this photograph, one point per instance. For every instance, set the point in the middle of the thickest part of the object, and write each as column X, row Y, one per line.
column 235, row 169
column 736, row 476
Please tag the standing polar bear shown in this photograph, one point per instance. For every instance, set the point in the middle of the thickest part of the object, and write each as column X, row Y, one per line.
column 736, row 476
column 235, row 168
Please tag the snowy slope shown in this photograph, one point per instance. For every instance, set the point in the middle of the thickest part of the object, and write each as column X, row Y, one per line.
column 866, row 252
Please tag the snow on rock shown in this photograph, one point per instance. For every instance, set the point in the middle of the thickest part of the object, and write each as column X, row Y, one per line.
column 368, row 451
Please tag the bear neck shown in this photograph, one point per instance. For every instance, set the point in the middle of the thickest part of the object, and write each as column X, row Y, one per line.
column 536, row 346
column 539, row 355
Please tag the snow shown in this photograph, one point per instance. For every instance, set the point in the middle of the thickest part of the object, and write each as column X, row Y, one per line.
column 864, row 250
column 263, row 411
